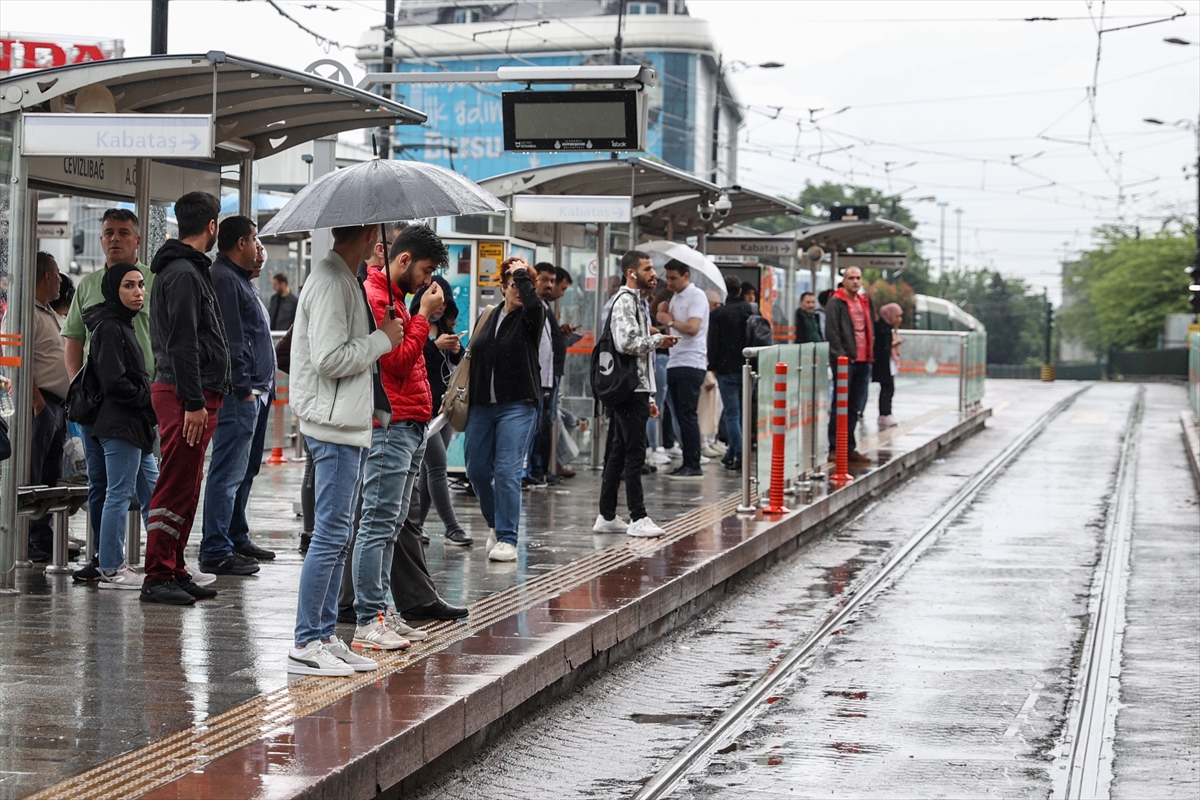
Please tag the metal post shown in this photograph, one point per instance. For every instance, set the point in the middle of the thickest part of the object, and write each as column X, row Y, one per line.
column 962, row 375
column 833, row 271
column 158, row 27
column 246, row 204
column 133, row 534
column 324, row 162
column 748, row 432
column 61, row 550
column 141, row 201
column 553, row 466
column 601, row 286
column 89, row 547
column 18, row 320
column 389, row 65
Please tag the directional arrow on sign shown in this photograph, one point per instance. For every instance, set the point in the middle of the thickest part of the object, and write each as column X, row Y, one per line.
column 194, row 141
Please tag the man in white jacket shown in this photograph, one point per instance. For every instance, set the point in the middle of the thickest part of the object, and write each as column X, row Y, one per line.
column 335, row 352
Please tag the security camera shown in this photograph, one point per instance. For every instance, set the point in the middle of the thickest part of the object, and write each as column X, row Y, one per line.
column 706, row 210
column 723, row 205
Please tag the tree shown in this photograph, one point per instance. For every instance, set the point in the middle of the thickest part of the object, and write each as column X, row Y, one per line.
column 1127, row 286
column 1009, row 309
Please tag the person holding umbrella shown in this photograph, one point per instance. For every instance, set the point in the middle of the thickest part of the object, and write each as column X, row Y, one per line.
column 334, row 377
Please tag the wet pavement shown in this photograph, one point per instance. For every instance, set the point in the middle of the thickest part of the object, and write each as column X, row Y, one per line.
column 954, row 681
column 90, row 674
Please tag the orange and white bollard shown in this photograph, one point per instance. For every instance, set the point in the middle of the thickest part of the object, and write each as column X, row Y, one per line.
column 841, row 455
column 279, row 436
column 778, row 444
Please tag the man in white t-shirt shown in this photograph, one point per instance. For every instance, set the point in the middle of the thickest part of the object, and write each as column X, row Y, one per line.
column 688, row 319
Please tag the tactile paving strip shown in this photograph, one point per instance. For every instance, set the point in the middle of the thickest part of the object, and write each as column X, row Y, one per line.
column 140, row 771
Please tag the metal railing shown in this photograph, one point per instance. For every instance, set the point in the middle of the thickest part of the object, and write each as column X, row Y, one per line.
column 1194, row 374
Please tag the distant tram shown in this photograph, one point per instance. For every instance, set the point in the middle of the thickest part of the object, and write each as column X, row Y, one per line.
column 938, row 314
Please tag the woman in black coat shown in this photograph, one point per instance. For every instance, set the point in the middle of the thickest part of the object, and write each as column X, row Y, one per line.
column 504, row 395
column 443, row 351
column 125, row 422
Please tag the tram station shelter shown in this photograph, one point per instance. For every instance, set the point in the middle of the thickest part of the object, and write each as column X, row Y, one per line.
column 86, row 130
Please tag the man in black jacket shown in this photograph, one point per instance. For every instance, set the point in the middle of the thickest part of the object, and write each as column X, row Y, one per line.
column 555, row 342
column 225, row 546
column 808, row 325
column 726, row 340
column 191, row 357
column 283, row 303
column 849, row 329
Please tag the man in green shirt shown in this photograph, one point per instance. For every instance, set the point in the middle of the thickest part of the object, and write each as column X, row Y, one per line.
column 119, row 238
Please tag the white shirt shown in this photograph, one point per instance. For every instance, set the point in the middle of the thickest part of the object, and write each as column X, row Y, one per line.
column 691, row 351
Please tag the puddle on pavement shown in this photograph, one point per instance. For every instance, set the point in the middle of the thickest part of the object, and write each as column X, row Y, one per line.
column 679, row 720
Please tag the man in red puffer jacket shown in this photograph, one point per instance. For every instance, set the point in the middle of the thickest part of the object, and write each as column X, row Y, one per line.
column 397, row 448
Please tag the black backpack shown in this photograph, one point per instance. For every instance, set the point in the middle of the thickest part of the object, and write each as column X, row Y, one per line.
column 85, row 395
column 759, row 332
column 614, row 374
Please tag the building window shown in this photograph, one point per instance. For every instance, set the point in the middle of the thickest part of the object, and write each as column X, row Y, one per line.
column 642, row 8
column 464, row 15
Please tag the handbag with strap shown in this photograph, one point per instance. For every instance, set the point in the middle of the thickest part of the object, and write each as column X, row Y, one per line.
column 456, row 404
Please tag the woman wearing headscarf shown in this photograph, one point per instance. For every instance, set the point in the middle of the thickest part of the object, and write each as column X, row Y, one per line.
column 886, row 360
column 443, row 351
column 504, row 394
column 125, row 421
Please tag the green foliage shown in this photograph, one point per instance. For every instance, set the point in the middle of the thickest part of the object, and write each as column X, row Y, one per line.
column 1122, row 291
column 881, row 293
column 1012, row 313
column 817, row 202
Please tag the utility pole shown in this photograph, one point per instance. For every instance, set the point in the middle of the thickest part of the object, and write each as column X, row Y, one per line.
column 942, row 241
column 618, row 42
column 158, row 27
column 958, row 240
column 385, row 90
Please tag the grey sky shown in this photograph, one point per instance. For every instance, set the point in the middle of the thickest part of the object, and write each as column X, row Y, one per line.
column 944, row 98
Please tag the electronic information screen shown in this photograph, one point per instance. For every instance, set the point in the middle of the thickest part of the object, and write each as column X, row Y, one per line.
column 574, row 120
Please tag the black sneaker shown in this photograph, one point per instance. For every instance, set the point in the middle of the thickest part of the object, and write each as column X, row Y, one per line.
column 686, row 474
column 735, row 465
column 232, row 564
column 197, row 591
column 459, row 537
column 167, row 593
column 38, row 556
column 252, row 550
column 87, row 574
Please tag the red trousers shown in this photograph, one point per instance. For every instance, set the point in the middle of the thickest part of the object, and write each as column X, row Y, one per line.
column 173, row 504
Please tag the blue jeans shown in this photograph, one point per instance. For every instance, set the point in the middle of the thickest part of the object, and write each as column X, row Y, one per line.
column 860, row 385
column 393, row 464
column 654, row 426
column 730, row 387
column 226, row 470
column 239, row 526
column 93, row 453
column 338, row 472
column 497, row 439
column 130, row 473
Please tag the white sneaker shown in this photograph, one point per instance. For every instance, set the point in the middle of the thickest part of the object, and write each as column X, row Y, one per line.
column 397, row 623
column 491, row 540
column 887, row 421
column 658, row 456
column 378, row 636
column 503, row 551
column 121, row 578
column 705, row 460
column 200, row 578
column 645, row 528
column 614, row 525
column 720, row 447
column 709, row 452
column 316, row 659
column 358, row 663
column 675, row 452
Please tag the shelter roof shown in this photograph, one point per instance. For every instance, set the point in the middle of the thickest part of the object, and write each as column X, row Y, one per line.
column 258, row 107
column 836, row 236
column 665, row 199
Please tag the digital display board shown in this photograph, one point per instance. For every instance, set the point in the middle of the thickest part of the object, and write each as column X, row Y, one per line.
column 587, row 120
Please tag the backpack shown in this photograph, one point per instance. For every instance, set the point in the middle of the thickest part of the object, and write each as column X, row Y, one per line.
column 85, row 395
column 614, row 374
column 759, row 332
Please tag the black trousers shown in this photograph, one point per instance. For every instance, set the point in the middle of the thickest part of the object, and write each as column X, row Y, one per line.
column 624, row 456
column 887, row 390
column 684, row 385
column 47, row 437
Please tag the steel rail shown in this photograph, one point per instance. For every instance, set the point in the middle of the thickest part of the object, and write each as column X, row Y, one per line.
column 1084, row 765
column 732, row 723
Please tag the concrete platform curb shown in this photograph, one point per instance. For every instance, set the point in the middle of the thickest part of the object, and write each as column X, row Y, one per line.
column 1191, row 443
column 391, row 736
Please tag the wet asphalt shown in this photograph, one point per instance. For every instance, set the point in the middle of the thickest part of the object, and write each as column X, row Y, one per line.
column 954, row 681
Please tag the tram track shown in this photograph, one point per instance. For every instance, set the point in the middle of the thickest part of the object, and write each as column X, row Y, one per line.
column 738, row 717
column 1084, row 764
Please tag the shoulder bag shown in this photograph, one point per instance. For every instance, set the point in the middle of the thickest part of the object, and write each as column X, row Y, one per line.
column 614, row 374
column 457, row 402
